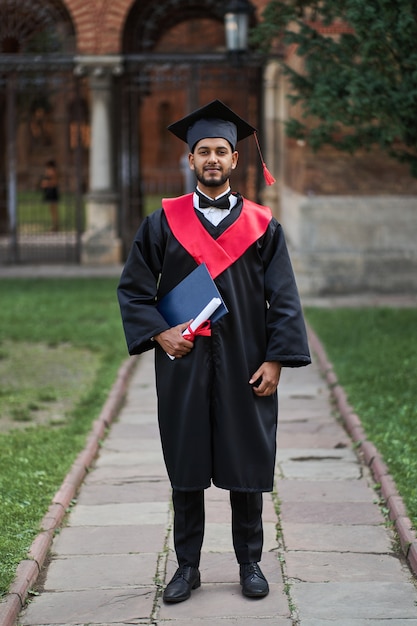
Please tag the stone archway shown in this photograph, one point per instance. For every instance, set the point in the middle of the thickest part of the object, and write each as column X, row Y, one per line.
column 35, row 26
column 148, row 20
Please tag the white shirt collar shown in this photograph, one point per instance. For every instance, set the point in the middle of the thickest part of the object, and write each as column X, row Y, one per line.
column 213, row 215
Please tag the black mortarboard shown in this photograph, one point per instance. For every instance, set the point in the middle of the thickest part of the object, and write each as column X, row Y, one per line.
column 215, row 119
column 212, row 120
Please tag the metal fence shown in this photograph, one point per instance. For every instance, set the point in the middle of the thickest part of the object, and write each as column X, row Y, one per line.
column 43, row 120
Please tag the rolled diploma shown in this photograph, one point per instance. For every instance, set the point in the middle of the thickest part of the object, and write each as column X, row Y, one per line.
column 205, row 314
column 202, row 317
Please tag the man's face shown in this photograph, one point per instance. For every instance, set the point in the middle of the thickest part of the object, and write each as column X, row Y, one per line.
column 213, row 161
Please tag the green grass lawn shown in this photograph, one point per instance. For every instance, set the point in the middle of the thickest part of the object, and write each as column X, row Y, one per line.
column 61, row 345
column 373, row 352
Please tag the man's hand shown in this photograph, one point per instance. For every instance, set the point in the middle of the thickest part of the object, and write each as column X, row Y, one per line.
column 172, row 341
column 268, row 375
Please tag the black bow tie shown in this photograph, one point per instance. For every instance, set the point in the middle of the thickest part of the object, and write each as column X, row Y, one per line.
column 220, row 203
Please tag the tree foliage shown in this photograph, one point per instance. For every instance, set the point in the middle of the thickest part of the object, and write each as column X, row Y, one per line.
column 359, row 88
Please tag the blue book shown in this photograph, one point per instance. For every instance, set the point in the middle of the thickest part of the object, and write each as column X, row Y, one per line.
column 187, row 299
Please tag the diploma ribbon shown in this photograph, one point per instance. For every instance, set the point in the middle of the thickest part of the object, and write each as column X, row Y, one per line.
column 201, row 324
column 203, row 329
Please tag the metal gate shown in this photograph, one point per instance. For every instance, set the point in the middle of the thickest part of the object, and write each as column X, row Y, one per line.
column 44, row 122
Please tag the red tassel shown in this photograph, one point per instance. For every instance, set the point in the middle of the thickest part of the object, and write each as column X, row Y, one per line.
column 269, row 179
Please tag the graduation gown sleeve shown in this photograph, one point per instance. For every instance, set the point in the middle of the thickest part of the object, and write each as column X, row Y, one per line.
column 286, row 333
column 137, row 290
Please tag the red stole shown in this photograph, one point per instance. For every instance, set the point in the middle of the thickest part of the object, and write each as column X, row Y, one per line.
column 217, row 254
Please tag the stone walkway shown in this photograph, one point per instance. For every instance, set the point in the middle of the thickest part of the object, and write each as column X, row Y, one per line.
column 329, row 556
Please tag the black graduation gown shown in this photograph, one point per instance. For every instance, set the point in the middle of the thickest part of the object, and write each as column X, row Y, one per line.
column 213, row 427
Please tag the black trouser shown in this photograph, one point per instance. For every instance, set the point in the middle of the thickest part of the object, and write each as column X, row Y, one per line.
column 189, row 518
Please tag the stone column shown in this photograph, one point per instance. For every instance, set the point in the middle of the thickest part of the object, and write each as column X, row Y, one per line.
column 272, row 150
column 100, row 242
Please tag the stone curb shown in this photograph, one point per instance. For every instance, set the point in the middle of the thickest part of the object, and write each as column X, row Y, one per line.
column 27, row 571
column 395, row 505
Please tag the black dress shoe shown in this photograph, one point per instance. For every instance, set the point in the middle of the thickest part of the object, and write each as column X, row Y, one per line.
column 179, row 587
column 254, row 583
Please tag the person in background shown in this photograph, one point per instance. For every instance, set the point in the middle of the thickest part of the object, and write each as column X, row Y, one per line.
column 49, row 185
column 217, row 399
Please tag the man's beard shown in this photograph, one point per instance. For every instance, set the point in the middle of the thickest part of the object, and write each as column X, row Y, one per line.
column 212, row 182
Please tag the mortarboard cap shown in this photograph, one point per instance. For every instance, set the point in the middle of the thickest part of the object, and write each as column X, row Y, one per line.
column 215, row 119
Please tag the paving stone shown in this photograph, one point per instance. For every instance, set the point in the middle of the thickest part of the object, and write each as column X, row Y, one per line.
column 307, row 425
column 214, row 496
column 337, row 567
column 293, row 411
column 132, row 491
column 144, row 418
column 331, row 538
column 290, row 381
column 320, row 470
column 218, row 511
column 134, row 622
column 114, row 475
column 101, row 571
column 141, row 394
column 313, row 440
column 124, row 430
column 376, row 600
column 120, row 514
column 305, row 386
column 123, row 445
column 314, row 397
column 130, row 459
column 359, row 622
column 141, row 407
column 307, row 455
column 109, row 539
column 218, row 537
column 364, row 513
column 325, row 491
column 88, row 607
column 292, row 376
column 269, row 514
column 215, row 621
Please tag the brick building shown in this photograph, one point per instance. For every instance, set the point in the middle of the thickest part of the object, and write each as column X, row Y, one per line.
column 93, row 85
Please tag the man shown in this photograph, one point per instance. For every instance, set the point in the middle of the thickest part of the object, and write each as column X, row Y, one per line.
column 217, row 400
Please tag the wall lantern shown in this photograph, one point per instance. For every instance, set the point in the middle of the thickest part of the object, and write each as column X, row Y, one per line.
column 236, row 24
